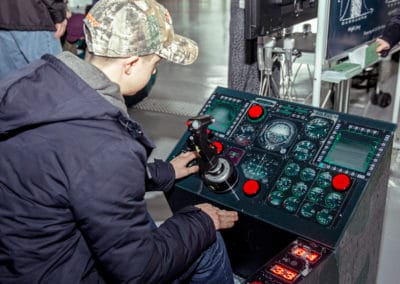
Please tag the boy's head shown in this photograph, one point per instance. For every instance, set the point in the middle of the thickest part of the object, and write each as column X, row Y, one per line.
column 124, row 28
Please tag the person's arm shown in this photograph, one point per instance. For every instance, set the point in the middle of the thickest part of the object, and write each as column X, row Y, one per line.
column 390, row 35
column 58, row 12
column 107, row 199
column 161, row 175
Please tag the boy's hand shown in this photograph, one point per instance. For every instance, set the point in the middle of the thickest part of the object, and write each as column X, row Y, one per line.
column 222, row 219
column 180, row 163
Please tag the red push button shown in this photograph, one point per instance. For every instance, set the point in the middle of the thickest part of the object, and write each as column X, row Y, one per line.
column 251, row 187
column 255, row 112
column 341, row 182
column 218, row 147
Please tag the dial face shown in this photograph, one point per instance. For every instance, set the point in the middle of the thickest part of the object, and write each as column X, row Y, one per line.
column 307, row 174
column 304, row 150
column 275, row 198
column 307, row 210
column 292, row 169
column 317, row 128
column 283, row 184
column 333, row 200
column 325, row 217
column 277, row 134
column 259, row 166
column 316, row 194
column 245, row 134
column 324, row 179
column 291, row 203
column 299, row 189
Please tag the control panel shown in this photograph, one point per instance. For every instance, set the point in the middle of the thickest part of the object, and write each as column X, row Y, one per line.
column 292, row 264
column 296, row 167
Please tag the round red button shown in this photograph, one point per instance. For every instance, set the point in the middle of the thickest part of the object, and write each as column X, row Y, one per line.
column 255, row 111
column 251, row 187
column 341, row 182
column 218, row 146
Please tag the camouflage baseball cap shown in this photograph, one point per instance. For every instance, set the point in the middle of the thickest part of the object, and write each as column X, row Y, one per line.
column 123, row 28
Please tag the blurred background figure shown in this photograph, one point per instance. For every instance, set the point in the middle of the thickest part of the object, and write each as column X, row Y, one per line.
column 28, row 30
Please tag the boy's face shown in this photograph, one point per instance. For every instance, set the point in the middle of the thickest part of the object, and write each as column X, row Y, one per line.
column 140, row 74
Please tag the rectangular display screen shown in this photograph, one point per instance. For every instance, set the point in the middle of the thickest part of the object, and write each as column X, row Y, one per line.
column 352, row 150
column 224, row 112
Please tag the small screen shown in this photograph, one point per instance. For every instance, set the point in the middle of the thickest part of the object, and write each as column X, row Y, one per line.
column 224, row 113
column 353, row 151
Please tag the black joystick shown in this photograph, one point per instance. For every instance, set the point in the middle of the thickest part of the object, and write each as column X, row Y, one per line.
column 218, row 173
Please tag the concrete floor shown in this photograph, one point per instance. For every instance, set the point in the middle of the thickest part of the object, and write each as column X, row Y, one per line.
column 180, row 91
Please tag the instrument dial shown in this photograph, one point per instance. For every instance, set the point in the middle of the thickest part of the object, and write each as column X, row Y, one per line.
column 317, row 128
column 304, row 150
column 277, row 134
column 245, row 134
column 259, row 166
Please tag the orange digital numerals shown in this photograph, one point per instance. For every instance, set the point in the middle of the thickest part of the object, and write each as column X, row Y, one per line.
column 303, row 253
column 283, row 272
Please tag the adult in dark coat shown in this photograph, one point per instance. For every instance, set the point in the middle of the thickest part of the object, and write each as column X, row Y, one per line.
column 74, row 167
column 391, row 34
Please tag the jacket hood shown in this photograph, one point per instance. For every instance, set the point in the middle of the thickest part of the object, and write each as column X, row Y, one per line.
column 47, row 91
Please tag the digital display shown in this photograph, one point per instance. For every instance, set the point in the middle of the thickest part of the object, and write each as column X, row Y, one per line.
column 303, row 253
column 352, row 150
column 283, row 272
column 224, row 113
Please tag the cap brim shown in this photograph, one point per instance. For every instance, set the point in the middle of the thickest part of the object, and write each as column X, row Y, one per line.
column 181, row 50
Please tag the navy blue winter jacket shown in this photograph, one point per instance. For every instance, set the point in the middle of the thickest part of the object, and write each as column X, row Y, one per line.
column 391, row 33
column 72, row 185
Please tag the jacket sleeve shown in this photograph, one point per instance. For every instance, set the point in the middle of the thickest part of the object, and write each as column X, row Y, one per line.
column 160, row 176
column 107, row 199
column 57, row 9
column 391, row 33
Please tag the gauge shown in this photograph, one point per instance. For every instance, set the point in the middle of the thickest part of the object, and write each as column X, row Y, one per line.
column 317, row 128
column 277, row 134
column 307, row 210
column 324, row 179
column 275, row 198
column 259, row 166
column 307, row 174
column 299, row 189
column 292, row 169
column 283, row 184
column 333, row 200
column 316, row 194
column 304, row 150
column 245, row 134
column 291, row 203
column 325, row 217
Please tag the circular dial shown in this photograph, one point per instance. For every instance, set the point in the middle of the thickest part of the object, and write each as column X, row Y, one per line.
column 307, row 210
column 333, row 200
column 299, row 189
column 292, row 169
column 317, row 128
column 245, row 134
column 275, row 198
column 283, row 184
column 324, row 179
column 304, row 150
column 316, row 194
column 324, row 217
column 307, row 174
column 258, row 166
column 277, row 134
column 291, row 203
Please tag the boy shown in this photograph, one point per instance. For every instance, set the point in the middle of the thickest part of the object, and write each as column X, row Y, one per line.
column 74, row 165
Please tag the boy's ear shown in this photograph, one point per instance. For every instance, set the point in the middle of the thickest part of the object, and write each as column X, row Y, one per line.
column 128, row 63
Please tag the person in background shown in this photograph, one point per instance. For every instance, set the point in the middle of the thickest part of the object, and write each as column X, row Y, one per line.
column 74, row 40
column 390, row 35
column 28, row 30
column 74, row 167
